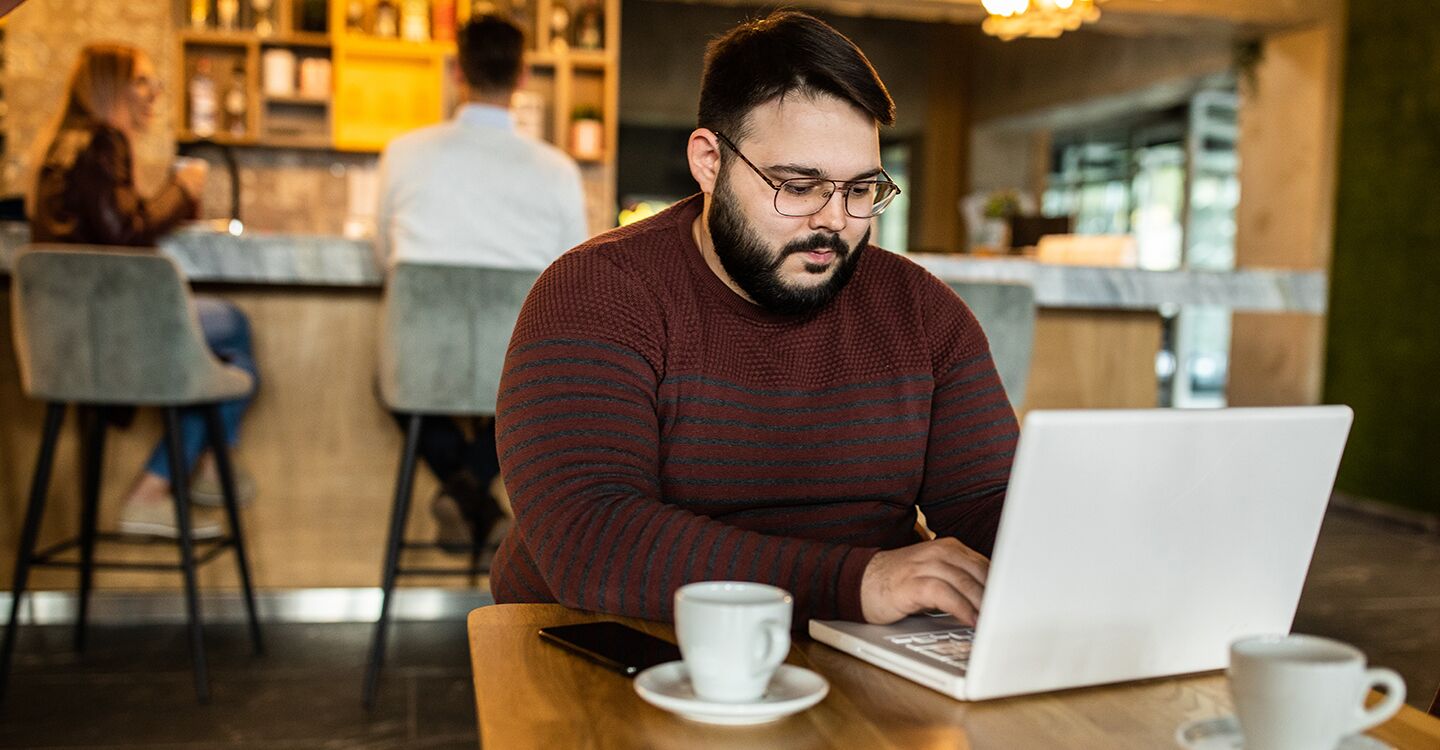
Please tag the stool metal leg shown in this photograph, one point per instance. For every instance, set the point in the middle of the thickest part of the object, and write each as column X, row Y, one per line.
column 94, row 421
column 39, row 485
column 179, row 488
column 477, row 546
column 404, row 486
column 221, row 451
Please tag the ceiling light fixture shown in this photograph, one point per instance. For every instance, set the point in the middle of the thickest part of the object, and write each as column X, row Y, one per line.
column 1046, row 19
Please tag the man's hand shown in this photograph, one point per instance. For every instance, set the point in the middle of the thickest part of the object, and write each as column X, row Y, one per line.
column 940, row 575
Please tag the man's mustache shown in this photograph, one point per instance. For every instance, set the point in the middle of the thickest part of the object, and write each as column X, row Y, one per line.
column 816, row 242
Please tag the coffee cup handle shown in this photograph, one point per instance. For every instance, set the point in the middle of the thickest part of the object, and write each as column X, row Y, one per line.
column 1394, row 698
column 777, row 647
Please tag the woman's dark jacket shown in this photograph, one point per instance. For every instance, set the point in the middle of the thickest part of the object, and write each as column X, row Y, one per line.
column 86, row 193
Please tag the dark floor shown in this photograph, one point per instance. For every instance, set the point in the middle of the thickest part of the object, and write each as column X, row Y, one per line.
column 1373, row 584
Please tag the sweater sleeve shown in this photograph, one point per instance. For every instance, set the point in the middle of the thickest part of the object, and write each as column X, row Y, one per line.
column 110, row 209
column 973, row 431
column 580, row 445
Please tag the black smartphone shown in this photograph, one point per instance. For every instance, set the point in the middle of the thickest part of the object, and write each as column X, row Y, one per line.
column 613, row 645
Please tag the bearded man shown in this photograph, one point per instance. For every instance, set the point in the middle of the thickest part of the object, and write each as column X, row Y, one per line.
column 743, row 388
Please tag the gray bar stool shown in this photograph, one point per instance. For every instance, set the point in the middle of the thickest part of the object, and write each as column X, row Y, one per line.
column 104, row 327
column 444, row 333
column 1007, row 315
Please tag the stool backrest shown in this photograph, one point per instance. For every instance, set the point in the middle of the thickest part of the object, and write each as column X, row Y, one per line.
column 444, row 333
column 1007, row 315
column 114, row 326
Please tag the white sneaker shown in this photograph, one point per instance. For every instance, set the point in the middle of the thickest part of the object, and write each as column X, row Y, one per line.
column 205, row 488
column 158, row 519
column 452, row 531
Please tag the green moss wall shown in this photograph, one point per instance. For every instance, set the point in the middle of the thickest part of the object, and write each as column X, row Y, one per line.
column 1383, row 339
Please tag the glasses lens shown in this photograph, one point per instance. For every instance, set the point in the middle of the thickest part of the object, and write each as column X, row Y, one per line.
column 866, row 199
column 802, row 197
column 883, row 193
column 147, row 85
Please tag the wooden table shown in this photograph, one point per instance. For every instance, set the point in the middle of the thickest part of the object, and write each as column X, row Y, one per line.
column 532, row 694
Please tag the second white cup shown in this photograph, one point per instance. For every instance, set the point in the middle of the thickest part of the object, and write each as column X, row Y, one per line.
column 733, row 636
column 1302, row 692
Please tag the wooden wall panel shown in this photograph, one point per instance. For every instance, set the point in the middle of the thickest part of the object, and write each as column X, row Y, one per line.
column 1094, row 359
column 1289, row 113
column 1275, row 359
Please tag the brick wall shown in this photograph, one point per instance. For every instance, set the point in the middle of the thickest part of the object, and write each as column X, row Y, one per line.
column 283, row 191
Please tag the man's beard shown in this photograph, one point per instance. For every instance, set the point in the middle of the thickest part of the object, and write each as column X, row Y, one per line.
column 750, row 264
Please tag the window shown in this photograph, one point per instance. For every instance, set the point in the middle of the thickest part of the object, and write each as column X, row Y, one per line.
column 1170, row 179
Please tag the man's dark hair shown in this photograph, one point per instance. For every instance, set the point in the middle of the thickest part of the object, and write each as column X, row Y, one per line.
column 492, row 49
column 786, row 52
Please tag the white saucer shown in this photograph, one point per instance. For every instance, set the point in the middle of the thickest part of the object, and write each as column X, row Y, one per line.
column 1223, row 733
column 792, row 689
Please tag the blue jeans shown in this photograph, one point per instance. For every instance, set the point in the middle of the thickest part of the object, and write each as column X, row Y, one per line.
column 227, row 333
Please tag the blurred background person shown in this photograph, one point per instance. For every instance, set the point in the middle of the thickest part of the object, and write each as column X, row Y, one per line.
column 84, row 192
column 474, row 191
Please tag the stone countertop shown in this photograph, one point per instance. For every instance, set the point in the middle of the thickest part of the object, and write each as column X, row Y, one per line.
column 280, row 259
column 318, row 260
column 1246, row 290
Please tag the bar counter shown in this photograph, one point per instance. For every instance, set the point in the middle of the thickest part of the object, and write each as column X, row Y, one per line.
column 325, row 453
column 320, row 260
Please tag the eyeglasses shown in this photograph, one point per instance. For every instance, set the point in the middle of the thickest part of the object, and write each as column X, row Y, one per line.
column 148, row 86
column 807, row 196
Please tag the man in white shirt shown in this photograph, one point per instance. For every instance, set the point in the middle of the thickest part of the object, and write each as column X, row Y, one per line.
column 473, row 191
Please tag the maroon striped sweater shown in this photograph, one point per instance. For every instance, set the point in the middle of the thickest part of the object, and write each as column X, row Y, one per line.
column 657, row 429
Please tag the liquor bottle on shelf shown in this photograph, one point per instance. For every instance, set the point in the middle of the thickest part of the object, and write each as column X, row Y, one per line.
column 590, row 26
column 204, row 104
column 264, row 26
column 559, row 25
column 387, row 19
column 199, row 13
column 236, row 102
column 355, row 17
column 313, row 15
column 227, row 14
column 415, row 20
column 443, row 22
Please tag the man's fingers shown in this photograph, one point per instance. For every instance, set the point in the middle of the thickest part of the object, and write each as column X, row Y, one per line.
column 962, row 574
column 954, row 553
column 936, row 593
column 959, row 579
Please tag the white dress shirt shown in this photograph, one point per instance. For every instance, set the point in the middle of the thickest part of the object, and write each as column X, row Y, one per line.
column 473, row 191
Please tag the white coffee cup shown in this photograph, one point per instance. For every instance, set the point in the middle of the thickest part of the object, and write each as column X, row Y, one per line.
column 181, row 163
column 1302, row 692
column 733, row 636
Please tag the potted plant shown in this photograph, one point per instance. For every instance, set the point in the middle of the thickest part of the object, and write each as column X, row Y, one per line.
column 587, row 134
column 1000, row 206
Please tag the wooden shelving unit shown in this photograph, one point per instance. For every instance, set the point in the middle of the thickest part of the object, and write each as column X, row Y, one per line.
column 224, row 139
column 299, row 101
column 382, row 87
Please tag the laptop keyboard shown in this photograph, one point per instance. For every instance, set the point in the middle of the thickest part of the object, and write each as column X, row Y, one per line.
column 950, row 647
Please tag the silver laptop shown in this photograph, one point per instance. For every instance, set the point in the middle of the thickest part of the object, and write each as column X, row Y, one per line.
column 1133, row 544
